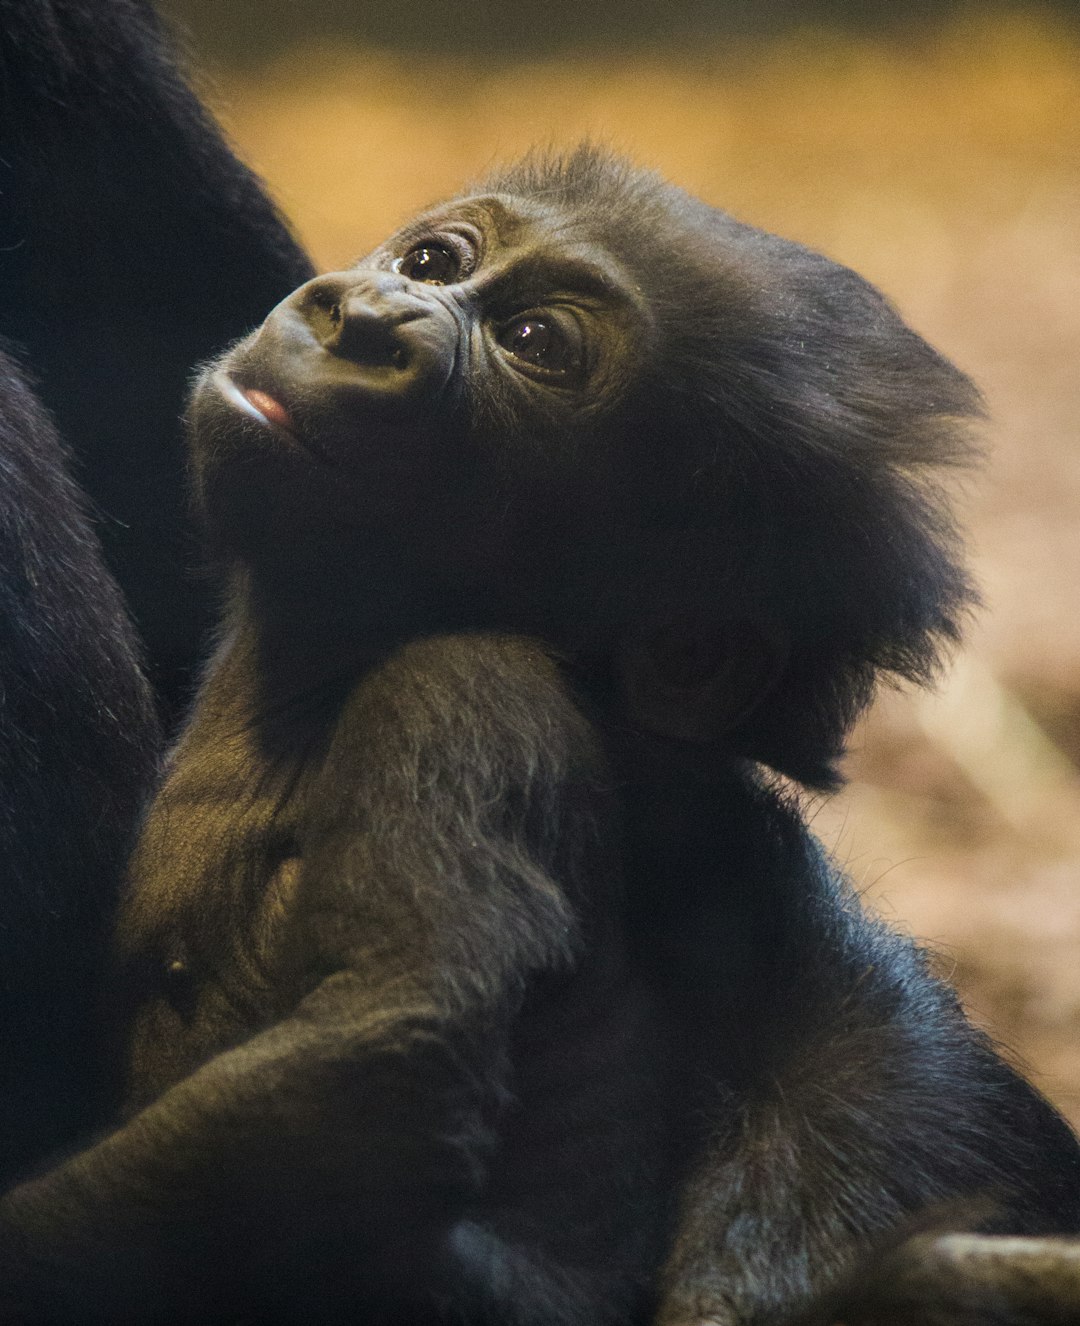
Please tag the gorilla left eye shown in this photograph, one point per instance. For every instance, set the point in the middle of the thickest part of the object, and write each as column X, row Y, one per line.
column 435, row 264
column 539, row 342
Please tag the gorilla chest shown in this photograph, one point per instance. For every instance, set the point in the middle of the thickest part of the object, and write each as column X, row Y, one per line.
column 203, row 941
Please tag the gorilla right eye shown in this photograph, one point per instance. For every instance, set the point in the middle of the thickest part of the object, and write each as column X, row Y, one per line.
column 543, row 344
column 435, row 264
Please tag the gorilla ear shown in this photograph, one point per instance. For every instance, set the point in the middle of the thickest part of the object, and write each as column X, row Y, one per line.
column 697, row 683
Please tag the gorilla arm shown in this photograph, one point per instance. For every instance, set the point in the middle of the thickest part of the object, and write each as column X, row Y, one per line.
column 329, row 1157
column 335, row 1109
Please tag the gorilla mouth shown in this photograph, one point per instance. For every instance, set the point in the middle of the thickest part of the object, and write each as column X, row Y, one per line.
column 269, row 413
column 257, row 405
column 271, row 410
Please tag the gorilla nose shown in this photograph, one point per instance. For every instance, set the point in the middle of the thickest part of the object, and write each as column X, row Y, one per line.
column 383, row 341
column 365, row 321
column 366, row 334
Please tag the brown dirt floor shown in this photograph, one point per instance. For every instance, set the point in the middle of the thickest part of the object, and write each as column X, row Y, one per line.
column 945, row 166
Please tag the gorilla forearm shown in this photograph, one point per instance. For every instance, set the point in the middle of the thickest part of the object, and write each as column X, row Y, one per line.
column 374, row 1112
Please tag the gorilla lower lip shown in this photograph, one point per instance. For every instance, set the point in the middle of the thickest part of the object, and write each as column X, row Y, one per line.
column 271, row 410
column 258, row 405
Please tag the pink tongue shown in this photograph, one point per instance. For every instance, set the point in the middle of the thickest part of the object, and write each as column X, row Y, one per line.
column 270, row 408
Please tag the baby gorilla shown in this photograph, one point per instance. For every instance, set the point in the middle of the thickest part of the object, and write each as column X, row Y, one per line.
column 470, row 969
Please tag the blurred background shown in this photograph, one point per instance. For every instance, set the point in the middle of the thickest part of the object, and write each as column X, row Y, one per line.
column 935, row 148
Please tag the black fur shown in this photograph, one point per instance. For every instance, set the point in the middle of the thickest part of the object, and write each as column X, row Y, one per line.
column 133, row 245
column 859, row 1094
column 812, row 427
column 77, row 748
column 471, row 971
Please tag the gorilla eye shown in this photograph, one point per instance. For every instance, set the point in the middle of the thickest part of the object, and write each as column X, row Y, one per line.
column 433, row 263
column 539, row 342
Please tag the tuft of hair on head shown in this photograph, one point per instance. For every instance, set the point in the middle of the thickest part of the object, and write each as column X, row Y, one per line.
column 593, row 181
column 824, row 436
column 576, row 174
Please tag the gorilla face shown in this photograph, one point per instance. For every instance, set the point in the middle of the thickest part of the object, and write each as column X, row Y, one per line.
column 473, row 375
column 582, row 405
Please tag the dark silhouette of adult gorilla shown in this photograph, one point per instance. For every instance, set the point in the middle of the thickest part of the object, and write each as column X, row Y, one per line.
column 133, row 245
column 78, row 743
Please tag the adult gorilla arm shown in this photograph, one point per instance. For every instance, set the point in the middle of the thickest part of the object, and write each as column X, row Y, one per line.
column 78, row 743
column 133, row 245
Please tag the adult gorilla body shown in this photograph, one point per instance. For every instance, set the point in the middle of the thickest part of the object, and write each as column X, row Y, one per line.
column 78, row 742
column 133, row 245
column 464, row 986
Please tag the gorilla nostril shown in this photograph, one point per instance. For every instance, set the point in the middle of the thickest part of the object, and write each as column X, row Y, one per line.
column 365, row 333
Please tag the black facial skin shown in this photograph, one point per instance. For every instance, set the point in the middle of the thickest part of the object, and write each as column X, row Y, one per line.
column 472, row 970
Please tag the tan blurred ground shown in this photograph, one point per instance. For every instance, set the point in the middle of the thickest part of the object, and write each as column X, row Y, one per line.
column 945, row 167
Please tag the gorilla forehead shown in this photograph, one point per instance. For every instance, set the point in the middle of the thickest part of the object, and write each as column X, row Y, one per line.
column 555, row 240
column 607, row 196
column 705, row 276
